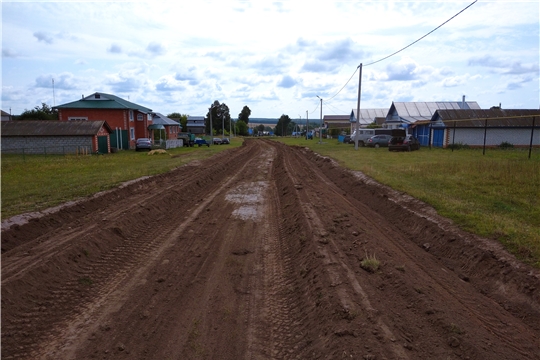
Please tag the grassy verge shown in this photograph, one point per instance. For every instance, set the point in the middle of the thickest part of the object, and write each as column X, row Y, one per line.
column 33, row 183
column 496, row 195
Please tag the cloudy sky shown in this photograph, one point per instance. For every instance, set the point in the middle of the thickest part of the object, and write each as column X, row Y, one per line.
column 275, row 57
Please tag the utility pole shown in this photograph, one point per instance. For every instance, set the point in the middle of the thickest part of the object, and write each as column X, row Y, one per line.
column 358, row 107
column 320, row 123
column 307, row 125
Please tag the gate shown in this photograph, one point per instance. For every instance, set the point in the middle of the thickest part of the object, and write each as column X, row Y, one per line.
column 119, row 139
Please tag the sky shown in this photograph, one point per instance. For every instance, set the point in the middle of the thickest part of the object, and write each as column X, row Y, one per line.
column 277, row 58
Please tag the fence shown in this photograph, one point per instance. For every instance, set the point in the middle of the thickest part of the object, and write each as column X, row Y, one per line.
column 49, row 150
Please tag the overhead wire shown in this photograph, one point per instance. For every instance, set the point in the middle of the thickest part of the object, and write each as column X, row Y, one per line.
column 397, row 52
column 414, row 42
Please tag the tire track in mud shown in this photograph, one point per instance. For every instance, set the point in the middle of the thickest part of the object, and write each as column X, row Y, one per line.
column 74, row 301
column 521, row 339
column 331, row 258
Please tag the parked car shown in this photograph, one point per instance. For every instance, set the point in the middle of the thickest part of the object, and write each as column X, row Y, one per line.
column 378, row 141
column 364, row 134
column 403, row 143
column 217, row 141
column 347, row 139
column 225, row 141
column 200, row 142
column 143, row 144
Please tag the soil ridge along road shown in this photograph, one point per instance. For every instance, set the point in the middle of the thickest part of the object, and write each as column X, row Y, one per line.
column 265, row 251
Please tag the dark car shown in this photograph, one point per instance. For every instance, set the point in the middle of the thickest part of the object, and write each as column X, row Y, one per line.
column 225, row 141
column 347, row 139
column 143, row 144
column 403, row 143
column 216, row 141
column 378, row 141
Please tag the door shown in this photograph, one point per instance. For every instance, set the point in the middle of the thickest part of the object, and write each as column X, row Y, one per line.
column 103, row 144
column 438, row 137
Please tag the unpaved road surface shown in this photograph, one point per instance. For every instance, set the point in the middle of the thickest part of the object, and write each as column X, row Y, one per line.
column 257, row 253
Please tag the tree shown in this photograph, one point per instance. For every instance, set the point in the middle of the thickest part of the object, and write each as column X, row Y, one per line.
column 45, row 112
column 241, row 128
column 221, row 118
column 260, row 128
column 181, row 118
column 244, row 115
column 282, row 125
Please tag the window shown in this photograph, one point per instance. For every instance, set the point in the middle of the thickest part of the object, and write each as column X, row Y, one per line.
column 149, row 117
column 130, row 115
column 139, row 117
column 132, row 133
column 77, row 118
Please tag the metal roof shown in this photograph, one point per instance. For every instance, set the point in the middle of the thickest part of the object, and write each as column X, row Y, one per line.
column 53, row 128
column 160, row 119
column 103, row 101
column 367, row 116
column 412, row 112
column 496, row 117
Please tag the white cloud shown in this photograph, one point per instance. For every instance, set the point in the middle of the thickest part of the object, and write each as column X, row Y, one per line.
column 273, row 57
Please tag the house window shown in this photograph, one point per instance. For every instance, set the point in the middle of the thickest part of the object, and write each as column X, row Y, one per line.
column 149, row 117
column 132, row 133
column 139, row 117
column 77, row 118
column 130, row 115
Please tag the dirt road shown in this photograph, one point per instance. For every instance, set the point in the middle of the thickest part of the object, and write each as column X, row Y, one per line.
column 258, row 253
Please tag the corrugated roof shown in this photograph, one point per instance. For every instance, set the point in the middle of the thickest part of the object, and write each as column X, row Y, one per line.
column 495, row 117
column 52, row 128
column 367, row 116
column 103, row 101
column 412, row 112
column 160, row 119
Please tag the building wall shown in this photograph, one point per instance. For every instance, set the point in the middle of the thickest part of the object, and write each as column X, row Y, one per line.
column 48, row 144
column 116, row 118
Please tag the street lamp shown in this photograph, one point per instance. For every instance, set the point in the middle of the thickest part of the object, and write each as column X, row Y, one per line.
column 320, row 124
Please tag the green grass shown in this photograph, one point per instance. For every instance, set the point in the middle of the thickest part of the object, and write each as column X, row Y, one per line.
column 36, row 182
column 496, row 195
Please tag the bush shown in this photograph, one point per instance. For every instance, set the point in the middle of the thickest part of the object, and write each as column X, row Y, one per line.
column 458, row 146
column 506, row 145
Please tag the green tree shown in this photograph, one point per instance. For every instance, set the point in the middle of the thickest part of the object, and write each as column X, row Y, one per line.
column 244, row 114
column 221, row 118
column 241, row 128
column 45, row 112
column 181, row 118
column 282, row 125
column 260, row 128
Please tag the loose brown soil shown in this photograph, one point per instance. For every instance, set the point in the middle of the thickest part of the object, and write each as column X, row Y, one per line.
column 259, row 253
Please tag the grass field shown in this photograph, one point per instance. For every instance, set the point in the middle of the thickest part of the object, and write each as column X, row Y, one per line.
column 496, row 195
column 36, row 182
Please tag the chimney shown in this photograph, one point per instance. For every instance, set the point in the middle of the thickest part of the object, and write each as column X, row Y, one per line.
column 463, row 102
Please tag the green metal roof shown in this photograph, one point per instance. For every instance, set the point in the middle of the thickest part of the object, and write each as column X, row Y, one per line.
column 103, row 101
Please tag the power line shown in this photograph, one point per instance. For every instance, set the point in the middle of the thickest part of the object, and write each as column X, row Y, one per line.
column 414, row 42
column 411, row 44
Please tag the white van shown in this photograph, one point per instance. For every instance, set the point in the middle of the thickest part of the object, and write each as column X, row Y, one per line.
column 365, row 134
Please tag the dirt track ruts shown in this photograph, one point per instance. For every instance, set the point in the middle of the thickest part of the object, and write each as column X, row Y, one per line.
column 255, row 254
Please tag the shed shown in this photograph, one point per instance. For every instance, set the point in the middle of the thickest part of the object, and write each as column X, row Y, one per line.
column 340, row 122
column 55, row 137
column 514, row 126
